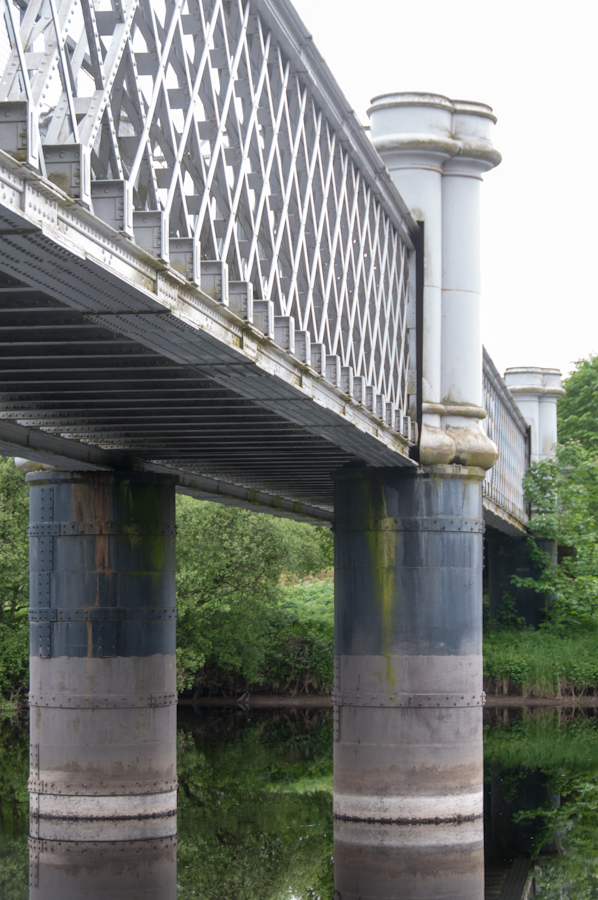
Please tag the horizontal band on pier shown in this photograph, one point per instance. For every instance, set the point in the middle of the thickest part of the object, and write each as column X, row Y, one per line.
column 102, row 788
column 436, row 523
column 410, row 837
column 118, row 829
column 102, row 848
column 102, row 701
column 102, row 614
column 102, row 639
column 151, row 805
column 407, row 701
column 76, row 529
column 409, row 809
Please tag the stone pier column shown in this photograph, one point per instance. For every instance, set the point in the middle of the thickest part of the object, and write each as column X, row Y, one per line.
column 103, row 690
column 536, row 392
column 413, row 134
column 408, row 634
column 437, row 150
column 462, row 283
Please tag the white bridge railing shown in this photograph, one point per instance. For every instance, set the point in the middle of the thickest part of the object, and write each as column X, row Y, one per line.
column 505, row 425
column 212, row 133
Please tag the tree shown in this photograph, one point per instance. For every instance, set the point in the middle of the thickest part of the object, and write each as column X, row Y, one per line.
column 563, row 492
column 14, row 580
column 578, row 408
column 229, row 564
column 14, row 543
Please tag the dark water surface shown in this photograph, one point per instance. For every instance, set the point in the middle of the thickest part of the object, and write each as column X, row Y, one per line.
column 255, row 817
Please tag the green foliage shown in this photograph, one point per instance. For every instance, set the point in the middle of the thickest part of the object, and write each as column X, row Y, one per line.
column 14, row 664
column 14, row 582
column 229, row 565
column 14, row 546
column 577, row 409
column 574, row 826
column 14, row 812
column 301, row 653
column 563, row 492
column 551, row 662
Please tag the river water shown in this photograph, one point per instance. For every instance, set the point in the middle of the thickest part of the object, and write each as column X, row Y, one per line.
column 255, row 819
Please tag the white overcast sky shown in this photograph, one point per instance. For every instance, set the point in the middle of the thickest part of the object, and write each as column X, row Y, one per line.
column 535, row 63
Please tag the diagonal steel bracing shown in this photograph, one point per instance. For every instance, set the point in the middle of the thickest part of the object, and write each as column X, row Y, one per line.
column 204, row 260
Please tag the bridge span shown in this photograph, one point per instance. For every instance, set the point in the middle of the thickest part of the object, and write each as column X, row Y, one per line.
column 213, row 280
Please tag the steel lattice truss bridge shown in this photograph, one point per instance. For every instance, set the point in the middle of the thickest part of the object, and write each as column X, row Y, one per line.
column 204, row 264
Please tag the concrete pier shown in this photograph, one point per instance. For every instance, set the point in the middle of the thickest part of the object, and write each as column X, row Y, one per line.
column 408, row 632
column 103, row 689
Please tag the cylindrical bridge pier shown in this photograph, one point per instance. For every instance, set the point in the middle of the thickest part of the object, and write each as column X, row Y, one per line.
column 103, row 690
column 408, row 665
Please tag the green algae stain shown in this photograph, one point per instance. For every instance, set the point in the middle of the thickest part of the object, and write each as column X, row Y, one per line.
column 382, row 546
column 141, row 507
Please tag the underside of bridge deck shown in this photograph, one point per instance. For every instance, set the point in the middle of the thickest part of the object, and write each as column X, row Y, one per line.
column 71, row 374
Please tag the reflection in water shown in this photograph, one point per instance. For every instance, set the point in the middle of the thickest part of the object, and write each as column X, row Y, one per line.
column 255, row 820
column 102, row 870
column 409, row 862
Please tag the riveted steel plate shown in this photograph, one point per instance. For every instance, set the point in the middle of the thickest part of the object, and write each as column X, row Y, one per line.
column 105, row 638
column 336, row 724
column 44, row 553
column 39, row 588
column 77, row 529
column 99, row 848
column 413, row 701
column 41, row 639
column 101, row 789
column 104, row 701
column 102, row 614
column 454, row 524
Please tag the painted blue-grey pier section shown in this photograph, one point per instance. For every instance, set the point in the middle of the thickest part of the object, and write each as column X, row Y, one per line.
column 408, row 633
column 103, row 687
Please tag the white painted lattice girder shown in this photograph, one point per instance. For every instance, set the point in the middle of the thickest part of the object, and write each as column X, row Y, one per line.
column 503, row 485
column 212, row 133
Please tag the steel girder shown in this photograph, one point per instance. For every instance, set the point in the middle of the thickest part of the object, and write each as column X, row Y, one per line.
column 205, row 263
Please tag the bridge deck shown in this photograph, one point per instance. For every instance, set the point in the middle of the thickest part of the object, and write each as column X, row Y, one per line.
column 103, row 346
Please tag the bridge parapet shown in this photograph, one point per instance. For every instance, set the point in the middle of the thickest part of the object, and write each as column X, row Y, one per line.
column 213, row 135
column 504, row 500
